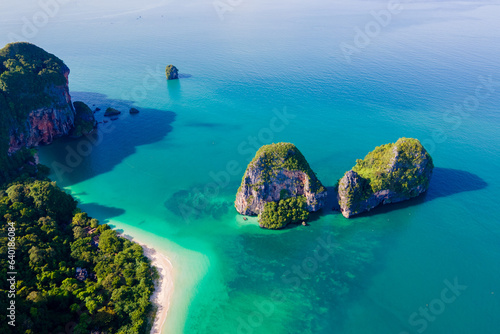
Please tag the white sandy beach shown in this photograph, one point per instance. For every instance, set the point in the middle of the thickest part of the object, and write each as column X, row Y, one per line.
column 164, row 287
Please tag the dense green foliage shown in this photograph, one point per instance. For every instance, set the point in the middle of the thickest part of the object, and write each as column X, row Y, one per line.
column 274, row 157
column 84, row 119
column 277, row 215
column 26, row 74
column 53, row 238
column 20, row 166
column 377, row 174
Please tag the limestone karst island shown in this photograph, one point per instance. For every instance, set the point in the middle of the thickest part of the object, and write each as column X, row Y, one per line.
column 249, row 167
column 280, row 187
column 390, row 173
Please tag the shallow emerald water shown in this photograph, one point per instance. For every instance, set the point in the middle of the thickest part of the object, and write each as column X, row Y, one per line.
column 274, row 72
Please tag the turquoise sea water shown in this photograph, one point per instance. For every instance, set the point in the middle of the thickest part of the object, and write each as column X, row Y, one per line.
column 272, row 72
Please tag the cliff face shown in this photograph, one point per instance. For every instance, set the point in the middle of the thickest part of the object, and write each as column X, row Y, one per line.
column 35, row 104
column 278, row 171
column 45, row 124
column 389, row 174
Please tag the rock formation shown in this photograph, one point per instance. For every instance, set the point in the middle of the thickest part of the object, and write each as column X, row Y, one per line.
column 85, row 121
column 36, row 104
column 112, row 112
column 278, row 171
column 172, row 72
column 390, row 173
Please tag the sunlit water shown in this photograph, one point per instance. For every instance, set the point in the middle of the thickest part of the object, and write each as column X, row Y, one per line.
column 279, row 71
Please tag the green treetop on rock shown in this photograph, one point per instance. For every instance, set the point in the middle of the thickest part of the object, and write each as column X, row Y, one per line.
column 85, row 122
column 395, row 166
column 390, row 173
column 274, row 157
column 26, row 74
column 172, row 72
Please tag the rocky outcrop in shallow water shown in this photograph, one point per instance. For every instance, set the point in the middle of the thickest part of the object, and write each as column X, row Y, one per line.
column 391, row 173
column 85, row 121
column 172, row 72
column 278, row 171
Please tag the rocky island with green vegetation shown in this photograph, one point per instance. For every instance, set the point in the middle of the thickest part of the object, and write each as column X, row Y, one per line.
column 34, row 96
column 35, row 105
column 390, row 173
column 171, row 72
column 280, row 187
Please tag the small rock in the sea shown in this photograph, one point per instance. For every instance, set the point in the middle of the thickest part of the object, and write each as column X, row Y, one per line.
column 111, row 112
column 172, row 72
column 113, row 118
column 97, row 109
column 133, row 111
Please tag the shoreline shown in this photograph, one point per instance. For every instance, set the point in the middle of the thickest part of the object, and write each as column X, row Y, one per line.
column 164, row 285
